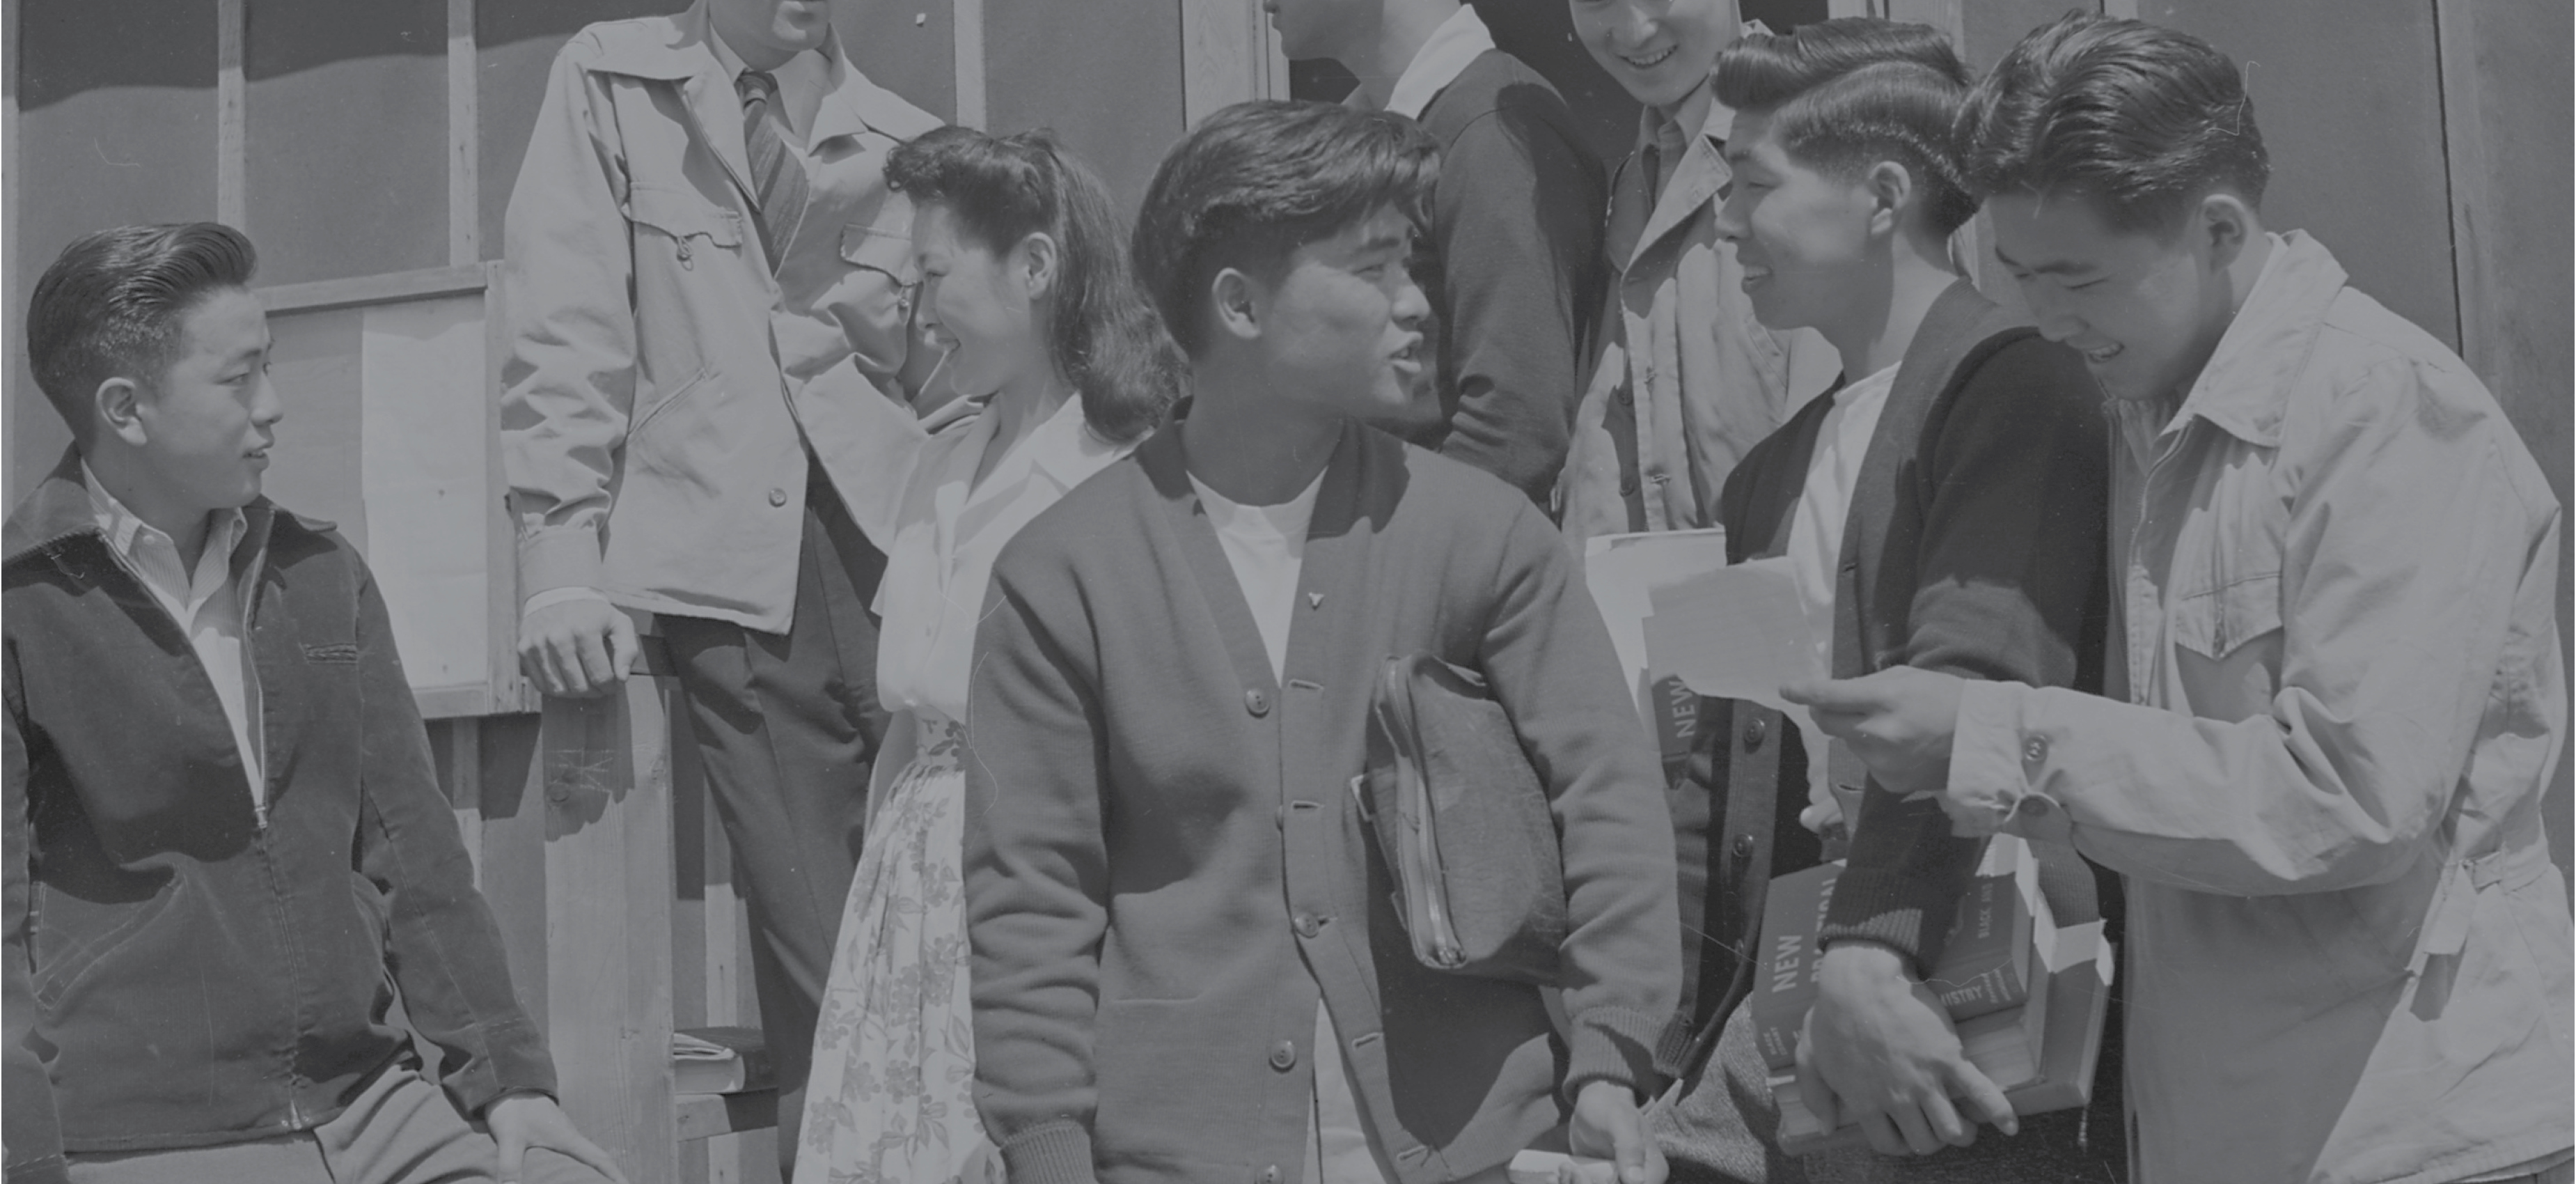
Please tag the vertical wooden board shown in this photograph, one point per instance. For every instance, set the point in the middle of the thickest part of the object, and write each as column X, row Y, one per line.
column 515, row 44
column 425, row 486
column 347, row 135
column 1105, row 74
column 2506, row 91
column 115, row 112
column 609, row 895
column 2348, row 95
column 512, row 867
column 905, row 46
column 315, row 360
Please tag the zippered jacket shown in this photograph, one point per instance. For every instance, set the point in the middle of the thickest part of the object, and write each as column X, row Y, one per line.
column 179, row 974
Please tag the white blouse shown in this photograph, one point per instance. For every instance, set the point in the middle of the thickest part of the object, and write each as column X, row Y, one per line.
column 941, row 542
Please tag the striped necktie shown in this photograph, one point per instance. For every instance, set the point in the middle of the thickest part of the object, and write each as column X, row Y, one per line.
column 777, row 180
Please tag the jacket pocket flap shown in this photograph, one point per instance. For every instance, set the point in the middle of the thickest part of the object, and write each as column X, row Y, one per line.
column 681, row 213
column 886, row 250
column 2214, row 623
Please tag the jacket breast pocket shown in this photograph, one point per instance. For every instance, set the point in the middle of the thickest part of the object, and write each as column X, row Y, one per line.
column 680, row 222
column 2227, row 645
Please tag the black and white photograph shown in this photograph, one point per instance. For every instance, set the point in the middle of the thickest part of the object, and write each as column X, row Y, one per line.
column 1287, row 591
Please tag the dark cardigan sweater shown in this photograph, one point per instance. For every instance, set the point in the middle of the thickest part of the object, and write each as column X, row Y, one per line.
column 1975, row 545
column 1164, row 862
column 1516, row 230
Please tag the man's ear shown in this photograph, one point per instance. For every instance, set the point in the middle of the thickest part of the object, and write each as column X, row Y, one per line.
column 2223, row 226
column 1231, row 297
column 1891, row 193
column 1040, row 261
column 117, row 406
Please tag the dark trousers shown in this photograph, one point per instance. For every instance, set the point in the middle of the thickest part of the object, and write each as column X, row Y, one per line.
column 786, row 727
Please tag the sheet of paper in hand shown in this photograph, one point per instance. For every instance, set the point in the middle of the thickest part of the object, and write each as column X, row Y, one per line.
column 1737, row 632
column 1623, row 571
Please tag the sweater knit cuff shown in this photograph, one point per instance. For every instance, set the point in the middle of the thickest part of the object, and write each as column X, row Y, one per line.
column 1886, row 907
column 1056, row 1153
column 1612, row 1044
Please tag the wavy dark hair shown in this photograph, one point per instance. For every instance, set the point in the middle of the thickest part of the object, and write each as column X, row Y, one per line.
column 2139, row 119
column 1255, row 181
column 1844, row 94
column 112, row 303
column 1103, row 335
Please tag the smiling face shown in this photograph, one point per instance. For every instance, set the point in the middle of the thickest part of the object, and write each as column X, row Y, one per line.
column 1803, row 236
column 1341, row 331
column 203, row 429
column 765, row 33
column 977, row 304
column 2146, row 310
column 1660, row 50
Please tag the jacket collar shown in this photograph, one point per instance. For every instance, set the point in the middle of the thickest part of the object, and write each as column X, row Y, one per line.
column 2246, row 384
column 684, row 52
column 1688, row 184
column 1456, row 44
column 60, row 508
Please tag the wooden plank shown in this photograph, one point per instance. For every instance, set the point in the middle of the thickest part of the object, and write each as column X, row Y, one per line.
column 512, row 866
column 609, row 895
column 510, row 690
column 2505, row 86
column 465, row 701
column 232, row 144
column 423, row 283
column 973, row 101
column 1224, row 55
column 464, row 151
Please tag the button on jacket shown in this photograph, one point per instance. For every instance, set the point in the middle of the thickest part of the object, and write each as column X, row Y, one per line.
column 1166, row 869
column 179, row 974
column 2337, row 574
column 662, row 384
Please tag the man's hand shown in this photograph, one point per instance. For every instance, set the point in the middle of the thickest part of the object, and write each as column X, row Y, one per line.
column 1898, row 721
column 1879, row 1050
column 579, row 648
column 523, row 1121
column 1606, row 1126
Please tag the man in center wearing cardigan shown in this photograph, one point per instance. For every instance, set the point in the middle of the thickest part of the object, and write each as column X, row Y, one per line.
column 1186, row 965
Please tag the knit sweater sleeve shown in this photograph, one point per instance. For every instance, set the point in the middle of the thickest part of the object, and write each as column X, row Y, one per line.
column 2013, row 494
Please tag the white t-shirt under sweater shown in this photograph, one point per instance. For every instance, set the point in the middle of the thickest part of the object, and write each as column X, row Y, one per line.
column 1266, row 547
column 1816, row 530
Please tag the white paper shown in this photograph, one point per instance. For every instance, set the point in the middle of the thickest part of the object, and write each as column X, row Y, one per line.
column 1740, row 632
column 1623, row 572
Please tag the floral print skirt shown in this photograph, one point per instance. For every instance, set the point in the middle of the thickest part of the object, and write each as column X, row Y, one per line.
column 891, row 1098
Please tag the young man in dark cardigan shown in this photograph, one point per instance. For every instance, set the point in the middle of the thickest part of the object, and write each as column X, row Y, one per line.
column 1511, row 256
column 1186, row 965
column 1938, row 508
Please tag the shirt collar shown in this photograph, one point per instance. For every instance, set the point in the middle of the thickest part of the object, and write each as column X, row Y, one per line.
column 1458, row 41
column 123, row 528
column 2246, row 383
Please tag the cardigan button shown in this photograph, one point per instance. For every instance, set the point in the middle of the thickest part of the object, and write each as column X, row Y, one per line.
column 1744, row 846
column 1283, row 1055
column 1308, row 925
column 1270, row 1175
column 777, row 497
column 1627, row 487
column 1256, row 703
column 1755, row 733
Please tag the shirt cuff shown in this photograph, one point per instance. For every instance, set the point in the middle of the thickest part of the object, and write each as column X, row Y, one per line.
column 1988, row 751
column 554, row 596
column 559, row 557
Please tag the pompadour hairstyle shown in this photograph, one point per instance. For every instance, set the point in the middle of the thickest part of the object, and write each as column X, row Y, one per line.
column 113, row 303
column 1255, row 181
column 1845, row 94
column 1104, row 337
column 2139, row 119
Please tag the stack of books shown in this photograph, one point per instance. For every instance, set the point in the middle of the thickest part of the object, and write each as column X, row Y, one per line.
column 2027, row 997
column 723, row 1060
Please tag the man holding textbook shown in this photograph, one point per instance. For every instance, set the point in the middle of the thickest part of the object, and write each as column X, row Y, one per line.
column 1186, row 963
column 2341, row 696
column 1939, row 508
